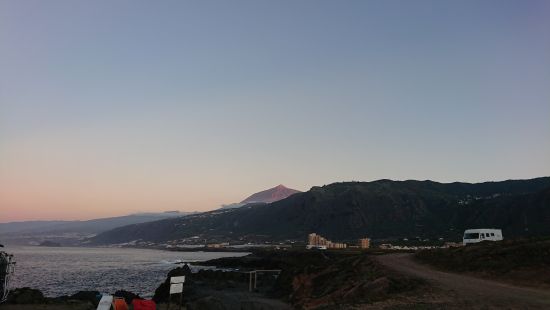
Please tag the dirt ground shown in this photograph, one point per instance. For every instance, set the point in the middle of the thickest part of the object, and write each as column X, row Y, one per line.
column 460, row 291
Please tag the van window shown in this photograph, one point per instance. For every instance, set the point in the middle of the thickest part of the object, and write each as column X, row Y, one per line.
column 471, row 236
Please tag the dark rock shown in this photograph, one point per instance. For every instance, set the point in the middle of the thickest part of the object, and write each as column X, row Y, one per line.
column 84, row 300
column 25, row 295
column 91, row 296
column 163, row 291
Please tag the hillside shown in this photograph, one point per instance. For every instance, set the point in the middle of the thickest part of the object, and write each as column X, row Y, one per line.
column 523, row 261
column 379, row 209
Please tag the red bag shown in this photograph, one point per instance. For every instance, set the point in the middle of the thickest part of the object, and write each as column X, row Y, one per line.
column 141, row 304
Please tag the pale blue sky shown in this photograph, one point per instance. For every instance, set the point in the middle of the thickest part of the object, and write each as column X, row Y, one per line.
column 110, row 107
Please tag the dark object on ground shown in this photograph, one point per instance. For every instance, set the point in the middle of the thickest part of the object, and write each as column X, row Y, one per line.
column 28, row 298
column 25, row 295
column 524, row 261
column 91, row 296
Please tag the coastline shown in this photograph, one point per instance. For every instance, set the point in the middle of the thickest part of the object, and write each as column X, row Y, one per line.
column 67, row 270
column 230, row 287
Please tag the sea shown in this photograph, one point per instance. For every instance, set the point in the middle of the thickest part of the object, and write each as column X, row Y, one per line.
column 58, row 271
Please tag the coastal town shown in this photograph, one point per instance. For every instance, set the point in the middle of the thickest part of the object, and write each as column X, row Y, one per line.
column 316, row 241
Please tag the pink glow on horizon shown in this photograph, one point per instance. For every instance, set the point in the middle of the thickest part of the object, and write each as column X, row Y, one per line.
column 115, row 107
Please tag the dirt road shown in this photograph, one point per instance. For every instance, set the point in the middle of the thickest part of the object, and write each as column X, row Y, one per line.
column 477, row 292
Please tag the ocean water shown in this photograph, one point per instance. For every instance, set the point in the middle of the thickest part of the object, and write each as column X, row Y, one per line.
column 67, row 270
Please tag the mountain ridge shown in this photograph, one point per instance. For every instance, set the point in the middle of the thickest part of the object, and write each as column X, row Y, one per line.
column 378, row 209
column 72, row 232
column 87, row 226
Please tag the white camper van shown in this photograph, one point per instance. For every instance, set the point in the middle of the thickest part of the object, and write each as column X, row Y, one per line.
column 483, row 234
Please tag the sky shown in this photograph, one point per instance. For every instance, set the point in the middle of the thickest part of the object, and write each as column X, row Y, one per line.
column 115, row 107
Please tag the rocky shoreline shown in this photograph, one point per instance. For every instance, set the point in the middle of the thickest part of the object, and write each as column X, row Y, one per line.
column 307, row 280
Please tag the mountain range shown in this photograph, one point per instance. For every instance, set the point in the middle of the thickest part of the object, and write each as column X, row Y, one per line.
column 72, row 232
column 382, row 209
column 66, row 231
